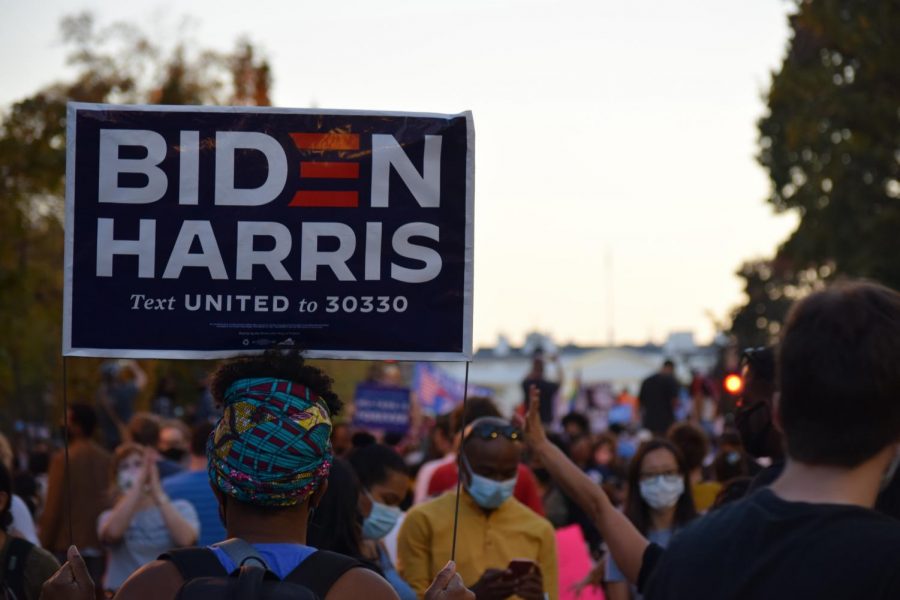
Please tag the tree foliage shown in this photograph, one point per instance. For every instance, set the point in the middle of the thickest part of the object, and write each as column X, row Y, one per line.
column 771, row 287
column 117, row 63
column 830, row 142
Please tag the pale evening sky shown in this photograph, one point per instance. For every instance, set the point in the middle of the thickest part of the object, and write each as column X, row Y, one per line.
column 604, row 129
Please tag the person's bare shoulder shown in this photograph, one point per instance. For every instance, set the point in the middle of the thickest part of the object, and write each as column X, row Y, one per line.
column 158, row 580
column 358, row 583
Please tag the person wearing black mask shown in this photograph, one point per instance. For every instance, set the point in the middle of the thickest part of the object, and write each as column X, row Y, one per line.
column 753, row 419
column 173, row 442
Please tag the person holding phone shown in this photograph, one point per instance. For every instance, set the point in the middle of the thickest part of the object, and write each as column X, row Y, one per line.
column 503, row 548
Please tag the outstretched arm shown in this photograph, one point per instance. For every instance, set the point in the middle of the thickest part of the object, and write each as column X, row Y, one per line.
column 183, row 532
column 626, row 544
column 140, row 377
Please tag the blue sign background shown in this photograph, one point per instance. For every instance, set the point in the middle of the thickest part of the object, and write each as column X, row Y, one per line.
column 382, row 408
column 100, row 318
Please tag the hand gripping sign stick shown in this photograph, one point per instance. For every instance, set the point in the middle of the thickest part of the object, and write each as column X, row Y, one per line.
column 459, row 466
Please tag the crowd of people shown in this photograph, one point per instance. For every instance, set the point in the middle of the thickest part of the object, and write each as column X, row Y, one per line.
column 797, row 499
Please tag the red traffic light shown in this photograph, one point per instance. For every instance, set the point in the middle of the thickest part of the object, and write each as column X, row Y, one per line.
column 733, row 384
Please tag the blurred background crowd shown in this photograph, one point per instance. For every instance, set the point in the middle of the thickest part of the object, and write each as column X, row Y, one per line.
column 666, row 453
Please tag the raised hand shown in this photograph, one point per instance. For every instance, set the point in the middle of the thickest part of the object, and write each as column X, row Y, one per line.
column 71, row 581
column 532, row 426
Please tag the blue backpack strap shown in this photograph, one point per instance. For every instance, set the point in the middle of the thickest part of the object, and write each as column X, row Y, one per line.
column 240, row 552
column 195, row 562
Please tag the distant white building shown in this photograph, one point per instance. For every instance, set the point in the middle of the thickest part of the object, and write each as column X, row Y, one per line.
column 503, row 367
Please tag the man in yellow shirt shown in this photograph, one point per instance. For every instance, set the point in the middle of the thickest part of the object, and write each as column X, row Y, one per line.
column 494, row 527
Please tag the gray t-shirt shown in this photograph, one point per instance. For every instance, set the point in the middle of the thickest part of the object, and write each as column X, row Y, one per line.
column 145, row 539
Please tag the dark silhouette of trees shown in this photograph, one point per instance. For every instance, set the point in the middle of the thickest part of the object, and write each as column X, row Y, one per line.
column 830, row 142
column 118, row 63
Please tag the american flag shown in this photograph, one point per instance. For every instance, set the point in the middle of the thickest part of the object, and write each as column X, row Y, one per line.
column 438, row 393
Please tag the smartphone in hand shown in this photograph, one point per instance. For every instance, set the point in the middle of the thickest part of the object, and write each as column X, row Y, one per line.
column 520, row 567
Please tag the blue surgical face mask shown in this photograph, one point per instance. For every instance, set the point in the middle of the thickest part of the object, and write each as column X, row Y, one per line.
column 662, row 491
column 380, row 521
column 487, row 493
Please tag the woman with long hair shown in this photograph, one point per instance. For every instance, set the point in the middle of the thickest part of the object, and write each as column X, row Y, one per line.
column 336, row 524
column 143, row 523
column 658, row 502
column 361, row 506
column 384, row 485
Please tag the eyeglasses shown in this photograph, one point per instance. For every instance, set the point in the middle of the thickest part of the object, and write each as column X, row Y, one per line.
column 490, row 431
column 647, row 476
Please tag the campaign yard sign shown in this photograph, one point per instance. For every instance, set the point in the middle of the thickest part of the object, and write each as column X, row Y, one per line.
column 206, row 232
column 381, row 407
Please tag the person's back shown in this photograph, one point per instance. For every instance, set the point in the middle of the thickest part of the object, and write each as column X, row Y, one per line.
column 813, row 533
column 88, row 484
column 269, row 458
column 548, row 389
column 87, row 487
column 657, row 398
column 763, row 547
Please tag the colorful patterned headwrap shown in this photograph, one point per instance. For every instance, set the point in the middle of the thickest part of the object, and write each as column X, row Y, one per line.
column 272, row 446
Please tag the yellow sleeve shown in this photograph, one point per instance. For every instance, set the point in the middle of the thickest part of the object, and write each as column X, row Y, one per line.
column 414, row 551
column 548, row 561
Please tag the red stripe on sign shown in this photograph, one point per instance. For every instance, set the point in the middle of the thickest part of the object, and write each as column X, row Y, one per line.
column 330, row 170
column 312, row 199
column 326, row 141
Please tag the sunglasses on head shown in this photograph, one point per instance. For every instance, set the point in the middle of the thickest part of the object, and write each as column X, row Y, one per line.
column 761, row 360
column 490, row 431
column 750, row 355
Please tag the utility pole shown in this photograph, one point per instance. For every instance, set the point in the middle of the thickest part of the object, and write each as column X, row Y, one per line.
column 610, row 298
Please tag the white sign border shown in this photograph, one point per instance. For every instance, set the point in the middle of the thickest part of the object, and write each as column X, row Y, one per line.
column 72, row 109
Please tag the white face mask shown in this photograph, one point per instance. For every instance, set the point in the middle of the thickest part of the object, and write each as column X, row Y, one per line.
column 662, row 491
column 126, row 478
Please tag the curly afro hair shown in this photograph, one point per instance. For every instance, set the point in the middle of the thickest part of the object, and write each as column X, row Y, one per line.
column 288, row 365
